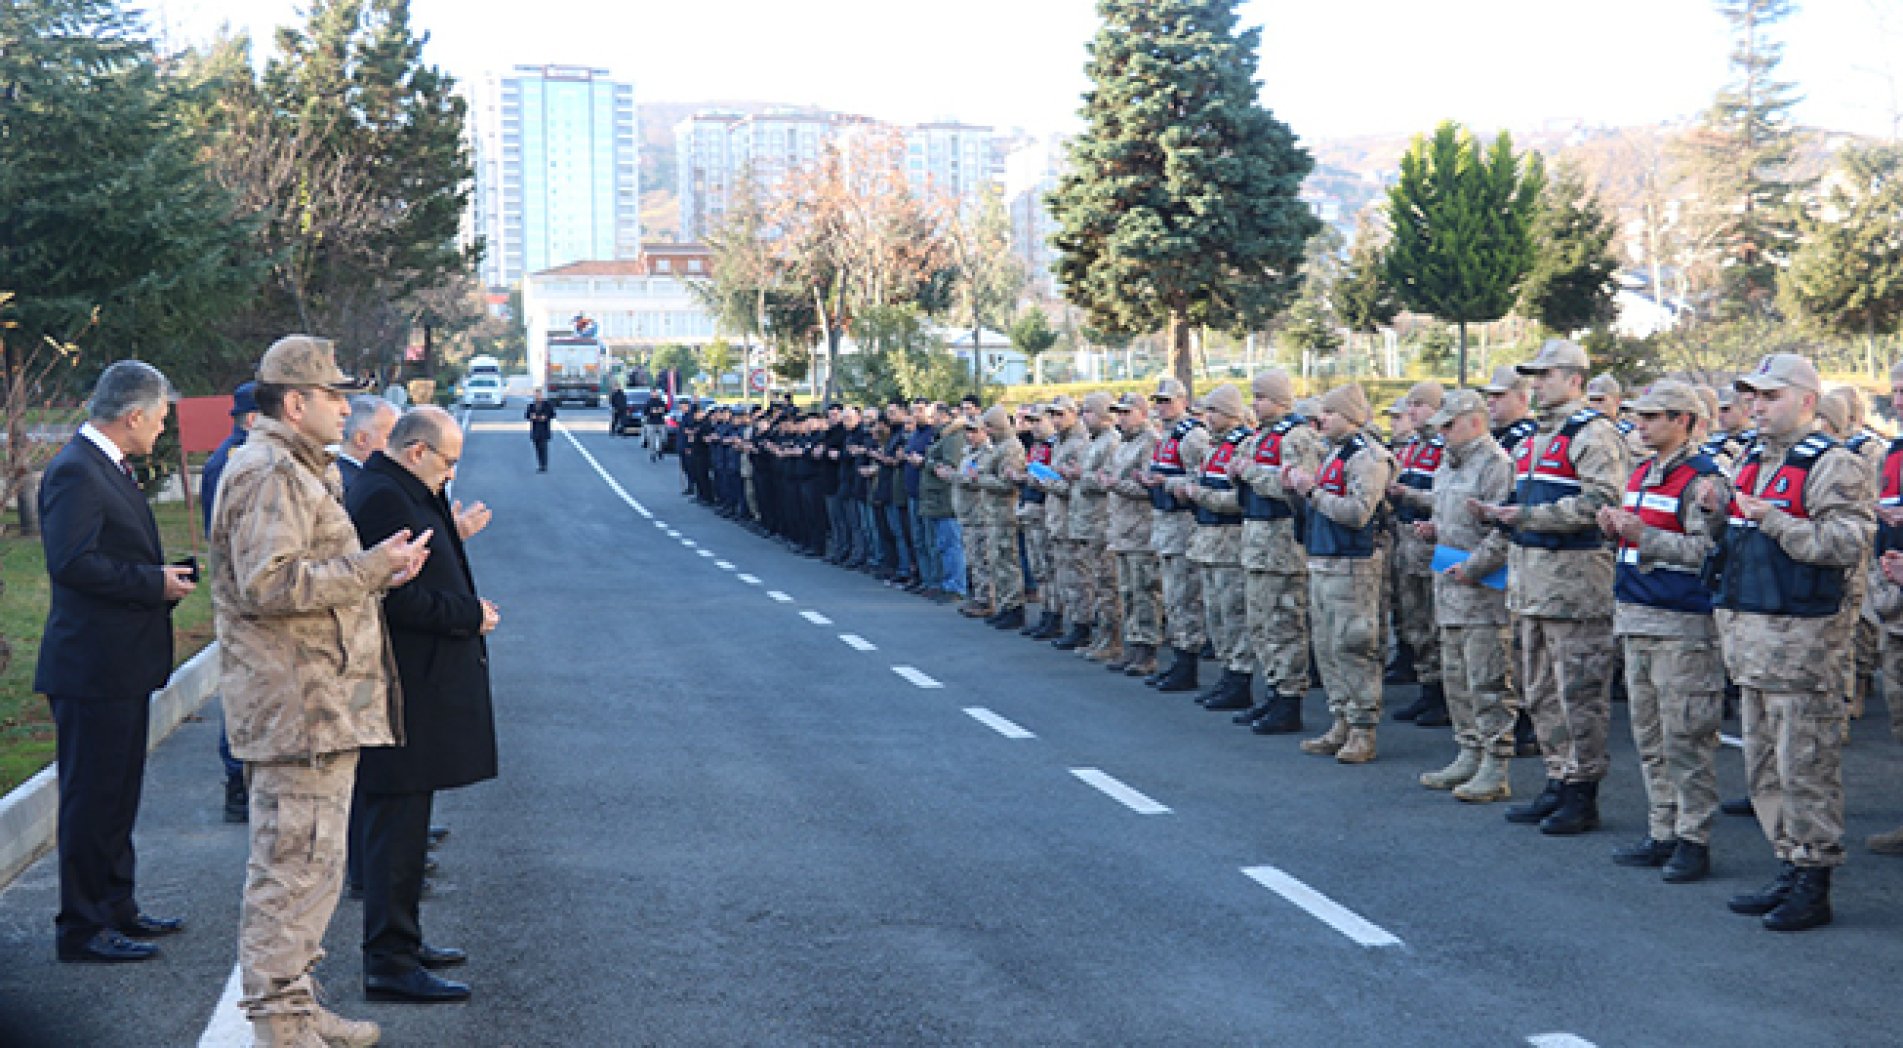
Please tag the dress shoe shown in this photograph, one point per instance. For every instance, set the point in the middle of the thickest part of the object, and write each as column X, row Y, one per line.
column 418, row 985
column 108, row 947
column 435, row 957
column 145, row 926
column 237, row 800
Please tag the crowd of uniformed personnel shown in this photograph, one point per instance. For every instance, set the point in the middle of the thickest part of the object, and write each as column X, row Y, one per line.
column 1521, row 548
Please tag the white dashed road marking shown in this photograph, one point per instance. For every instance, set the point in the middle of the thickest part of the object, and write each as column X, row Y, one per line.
column 1120, row 793
column 816, row 618
column 917, row 678
column 705, row 552
column 781, row 597
column 1321, row 907
column 997, row 723
column 857, row 642
column 723, row 565
column 748, row 579
column 1558, row 1040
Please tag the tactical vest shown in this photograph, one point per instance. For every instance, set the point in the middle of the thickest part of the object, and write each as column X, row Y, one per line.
column 1326, row 538
column 1510, row 436
column 1759, row 577
column 1039, row 452
column 1268, row 452
column 1215, row 476
column 1891, row 496
column 1419, row 461
column 1550, row 479
column 1663, row 585
column 1166, row 460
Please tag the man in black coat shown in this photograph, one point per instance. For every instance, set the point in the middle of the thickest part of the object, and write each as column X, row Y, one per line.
column 541, row 416
column 106, row 647
column 437, row 623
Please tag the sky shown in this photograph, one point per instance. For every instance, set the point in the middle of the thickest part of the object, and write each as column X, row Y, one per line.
column 1330, row 70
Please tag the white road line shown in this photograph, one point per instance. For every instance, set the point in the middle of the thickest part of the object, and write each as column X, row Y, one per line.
column 917, row 678
column 1732, row 741
column 705, row 552
column 723, row 565
column 690, row 543
column 781, row 597
column 662, row 524
column 613, row 485
column 997, row 723
column 1321, row 907
column 748, row 579
column 228, row 1027
column 1120, row 793
column 1559, row 1040
column 672, row 534
column 857, row 642
column 816, row 618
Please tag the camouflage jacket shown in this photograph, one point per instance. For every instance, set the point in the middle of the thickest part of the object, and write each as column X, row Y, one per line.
column 1272, row 545
column 964, row 498
column 997, row 493
column 1171, row 530
column 1072, row 446
column 304, row 665
column 1480, row 470
column 1367, row 480
column 1221, row 544
column 1687, row 552
column 1129, row 530
column 1090, row 502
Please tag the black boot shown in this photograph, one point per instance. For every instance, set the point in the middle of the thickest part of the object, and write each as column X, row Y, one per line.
column 1434, row 714
column 1241, row 689
column 1071, row 641
column 1645, row 851
column 1214, row 691
column 1526, row 742
column 1545, row 804
column 1284, row 716
column 1053, row 627
column 1690, row 862
column 1182, row 674
column 1415, row 708
column 1806, row 906
column 1767, row 898
column 1043, row 620
column 1209, row 650
column 237, row 800
column 1400, row 668
column 1009, row 619
column 1578, row 811
column 1163, row 670
column 1260, row 709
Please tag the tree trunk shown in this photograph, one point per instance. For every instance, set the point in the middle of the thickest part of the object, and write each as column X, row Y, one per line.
column 1182, row 361
column 1461, row 368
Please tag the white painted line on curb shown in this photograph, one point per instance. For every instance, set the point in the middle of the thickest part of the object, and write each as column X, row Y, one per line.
column 997, row 723
column 781, row 597
column 613, row 485
column 917, row 678
column 855, row 641
column 1732, row 741
column 1559, row 1040
column 723, row 565
column 748, row 579
column 816, row 618
column 1321, row 907
column 228, row 1027
column 1120, row 793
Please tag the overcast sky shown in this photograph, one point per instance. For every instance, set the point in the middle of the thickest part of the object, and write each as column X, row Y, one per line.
column 1344, row 67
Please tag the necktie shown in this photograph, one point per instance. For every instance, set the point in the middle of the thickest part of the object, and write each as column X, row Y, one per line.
column 125, row 466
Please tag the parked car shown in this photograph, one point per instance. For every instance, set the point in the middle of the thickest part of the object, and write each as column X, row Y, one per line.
column 483, row 391
column 673, row 443
column 630, row 419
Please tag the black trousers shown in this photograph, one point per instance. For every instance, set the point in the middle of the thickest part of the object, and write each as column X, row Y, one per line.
column 101, row 752
column 541, row 453
column 394, row 842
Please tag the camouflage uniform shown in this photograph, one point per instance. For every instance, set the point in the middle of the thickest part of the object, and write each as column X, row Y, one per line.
column 1413, row 569
column 967, row 507
column 1216, row 549
column 1170, row 532
column 1031, row 511
column 1346, row 594
column 1274, row 562
column 1067, row 554
column 1473, row 618
column 997, row 493
column 1139, row 590
column 306, row 680
column 1089, row 525
column 1788, row 667
column 1865, row 632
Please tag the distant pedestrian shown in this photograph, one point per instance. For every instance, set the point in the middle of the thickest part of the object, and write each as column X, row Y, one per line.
column 540, row 413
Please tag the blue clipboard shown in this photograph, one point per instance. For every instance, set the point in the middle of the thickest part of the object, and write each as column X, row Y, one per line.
column 1446, row 557
column 1040, row 471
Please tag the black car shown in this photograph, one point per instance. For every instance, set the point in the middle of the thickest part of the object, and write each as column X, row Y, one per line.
column 629, row 420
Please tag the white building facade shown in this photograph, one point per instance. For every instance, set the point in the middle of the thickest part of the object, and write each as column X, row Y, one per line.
column 639, row 304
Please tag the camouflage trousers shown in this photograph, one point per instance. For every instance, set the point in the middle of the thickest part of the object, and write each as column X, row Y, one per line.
column 1076, row 586
column 299, row 810
column 1182, row 602
column 1793, row 760
column 1100, row 567
column 1675, row 695
column 1226, row 615
column 1480, row 697
column 1037, row 553
column 1565, row 682
column 1414, row 620
column 972, row 534
column 1001, row 563
column 1891, row 659
column 1866, row 652
column 1140, row 598
column 1278, row 629
column 1346, row 611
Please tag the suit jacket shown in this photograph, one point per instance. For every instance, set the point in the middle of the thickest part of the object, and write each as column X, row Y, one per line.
column 109, row 627
column 435, row 623
column 349, row 471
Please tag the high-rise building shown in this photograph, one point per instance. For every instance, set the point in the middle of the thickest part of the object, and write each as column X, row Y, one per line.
column 1031, row 173
column 557, row 170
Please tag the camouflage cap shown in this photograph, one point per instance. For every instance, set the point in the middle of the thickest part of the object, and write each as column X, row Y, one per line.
column 1604, row 386
column 997, row 420
column 1399, row 407
column 1062, row 402
column 1780, row 371
column 1727, row 395
column 1226, row 399
column 1098, row 401
column 301, row 360
column 1556, row 353
column 1130, row 402
column 1669, row 395
column 1455, row 404
column 1167, row 388
column 1429, row 392
column 1506, row 379
column 1308, row 407
column 1031, row 411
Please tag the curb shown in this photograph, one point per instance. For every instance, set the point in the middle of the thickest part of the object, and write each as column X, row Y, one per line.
column 29, row 816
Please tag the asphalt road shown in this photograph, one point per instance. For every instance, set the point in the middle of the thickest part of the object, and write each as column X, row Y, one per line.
column 726, row 817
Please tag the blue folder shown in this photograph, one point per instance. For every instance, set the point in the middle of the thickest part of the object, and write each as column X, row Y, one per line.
column 1446, row 557
column 1042, row 472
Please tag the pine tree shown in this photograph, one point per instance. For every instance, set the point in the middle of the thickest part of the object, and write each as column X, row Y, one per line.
column 1571, row 285
column 1181, row 205
column 1462, row 228
column 1363, row 298
column 1847, row 278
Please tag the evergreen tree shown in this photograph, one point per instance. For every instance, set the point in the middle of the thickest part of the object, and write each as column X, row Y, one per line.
column 1847, row 278
column 1462, row 228
column 1363, row 298
column 1180, row 209
column 1571, row 285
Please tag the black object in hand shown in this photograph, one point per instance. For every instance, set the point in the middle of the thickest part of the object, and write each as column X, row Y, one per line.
column 190, row 564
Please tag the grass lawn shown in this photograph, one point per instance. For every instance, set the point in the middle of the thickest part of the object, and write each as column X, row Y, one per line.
column 26, row 725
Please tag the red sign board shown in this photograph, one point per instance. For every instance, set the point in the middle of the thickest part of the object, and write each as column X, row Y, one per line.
column 203, row 422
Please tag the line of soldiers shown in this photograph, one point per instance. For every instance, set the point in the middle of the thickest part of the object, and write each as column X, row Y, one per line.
column 1525, row 543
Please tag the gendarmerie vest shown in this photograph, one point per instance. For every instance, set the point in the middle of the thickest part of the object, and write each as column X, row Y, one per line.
column 1215, row 475
column 1325, row 537
column 1550, row 479
column 1510, row 435
column 1419, row 460
column 1890, row 495
column 1167, row 461
column 1268, row 452
column 1759, row 577
column 1661, row 585
column 1037, row 452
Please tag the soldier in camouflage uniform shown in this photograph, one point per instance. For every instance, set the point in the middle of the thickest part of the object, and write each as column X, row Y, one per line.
column 1605, row 395
column 1039, row 442
column 1886, row 596
column 1866, row 636
column 969, row 509
column 1178, row 453
column 1139, row 586
column 1067, row 460
column 1559, row 585
column 1802, row 516
column 1089, row 522
column 1216, row 548
column 1000, row 459
column 1481, row 702
column 1511, row 418
column 306, row 677
column 1347, row 572
column 1675, row 678
column 1412, row 495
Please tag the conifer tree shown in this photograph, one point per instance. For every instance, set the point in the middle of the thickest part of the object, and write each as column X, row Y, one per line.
column 1847, row 278
column 1571, row 285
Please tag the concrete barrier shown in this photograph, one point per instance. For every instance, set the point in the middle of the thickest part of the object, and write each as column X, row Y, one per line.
column 29, row 816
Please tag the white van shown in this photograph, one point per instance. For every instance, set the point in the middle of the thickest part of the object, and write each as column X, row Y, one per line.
column 483, row 391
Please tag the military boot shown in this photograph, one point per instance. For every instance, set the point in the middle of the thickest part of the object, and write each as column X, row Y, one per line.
column 1159, row 670
column 339, row 1032
column 1400, row 668
column 285, row 1031
column 1216, row 690
column 1284, row 716
column 1208, row 651
column 1008, row 619
column 1043, row 621
column 1690, row 862
column 1462, row 769
column 1329, row 744
column 1413, row 709
column 1489, row 783
column 1051, row 628
column 1434, row 714
column 1646, row 851
column 1182, row 674
column 1767, row 898
column 1890, row 843
column 1543, row 805
column 1077, row 637
column 1241, row 687
column 1255, row 712
column 1806, row 905
column 1359, row 749
column 1578, row 811
column 237, row 800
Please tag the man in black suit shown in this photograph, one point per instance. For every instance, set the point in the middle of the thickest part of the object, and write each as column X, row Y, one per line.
column 541, row 416
column 112, row 594
column 437, row 623
column 365, row 434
